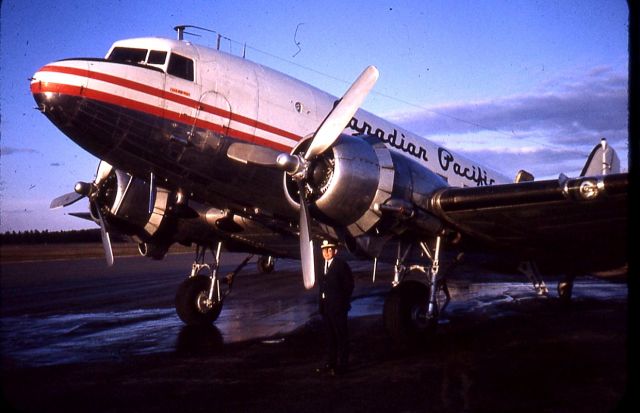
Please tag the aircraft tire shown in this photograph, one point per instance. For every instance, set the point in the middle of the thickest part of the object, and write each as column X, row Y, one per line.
column 190, row 302
column 401, row 314
column 264, row 266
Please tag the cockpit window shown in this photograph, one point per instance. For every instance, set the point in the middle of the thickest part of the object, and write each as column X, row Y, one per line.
column 128, row 55
column 180, row 66
column 156, row 57
column 131, row 55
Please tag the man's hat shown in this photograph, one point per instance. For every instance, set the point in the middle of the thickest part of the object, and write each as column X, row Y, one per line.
column 328, row 244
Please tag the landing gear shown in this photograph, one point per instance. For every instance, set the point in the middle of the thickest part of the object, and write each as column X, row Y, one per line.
column 411, row 309
column 192, row 302
column 200, row 297
column 266, row 264
column 565, row 288
column 405, row 313
column 530, row 269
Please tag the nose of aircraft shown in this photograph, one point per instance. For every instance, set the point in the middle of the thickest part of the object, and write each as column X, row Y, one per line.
column 68, row 77
column 60, row 90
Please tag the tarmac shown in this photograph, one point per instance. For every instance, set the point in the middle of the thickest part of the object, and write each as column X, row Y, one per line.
column 78, row 336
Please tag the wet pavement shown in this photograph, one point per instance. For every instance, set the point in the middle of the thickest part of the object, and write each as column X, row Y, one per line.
column 62, row 320
column 90, row 337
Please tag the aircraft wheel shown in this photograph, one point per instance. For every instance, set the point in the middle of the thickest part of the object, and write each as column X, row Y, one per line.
column 265, row 265
column 191, row 302
column 404, row 314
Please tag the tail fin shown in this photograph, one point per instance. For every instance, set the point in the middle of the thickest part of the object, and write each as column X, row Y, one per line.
column 603, row 160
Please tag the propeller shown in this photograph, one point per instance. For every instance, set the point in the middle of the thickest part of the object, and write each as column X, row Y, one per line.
column 306, row 243
column 342, row 113
column 90, row 190
column 66, row 200
column 298, row 166
column 106, row 239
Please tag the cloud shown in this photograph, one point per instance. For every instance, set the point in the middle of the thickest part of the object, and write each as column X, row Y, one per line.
column 18, row 211
column 8, row 150
column 553, row 125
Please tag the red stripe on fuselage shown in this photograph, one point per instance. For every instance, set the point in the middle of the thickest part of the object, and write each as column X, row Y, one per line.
column 71, row 90
column 161, row 93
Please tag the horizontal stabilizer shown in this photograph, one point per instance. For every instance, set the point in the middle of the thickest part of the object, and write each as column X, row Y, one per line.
column 603, row 160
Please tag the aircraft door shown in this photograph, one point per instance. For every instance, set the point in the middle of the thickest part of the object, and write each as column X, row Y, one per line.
column 211, row 123
column 182, row 105
column 215, row 111
column 182, row 92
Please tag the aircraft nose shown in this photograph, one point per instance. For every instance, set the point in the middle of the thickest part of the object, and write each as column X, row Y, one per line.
column 57, row 79
column 61, row 92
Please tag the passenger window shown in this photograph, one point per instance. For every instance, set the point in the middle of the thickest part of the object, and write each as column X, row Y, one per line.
column 180, row 66
column 128, row 55
column 156, row 57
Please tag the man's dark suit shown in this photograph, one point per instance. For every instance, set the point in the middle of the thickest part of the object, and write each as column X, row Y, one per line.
column 336, row 287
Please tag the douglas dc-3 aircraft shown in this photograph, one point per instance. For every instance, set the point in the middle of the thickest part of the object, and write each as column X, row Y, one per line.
column 204, row 148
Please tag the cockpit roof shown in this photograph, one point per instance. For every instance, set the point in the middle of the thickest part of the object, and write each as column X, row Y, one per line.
column 156, row 43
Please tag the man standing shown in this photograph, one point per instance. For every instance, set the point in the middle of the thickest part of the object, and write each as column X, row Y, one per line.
column 336, row 286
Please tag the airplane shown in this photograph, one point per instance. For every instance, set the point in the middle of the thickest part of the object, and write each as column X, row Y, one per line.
column 204, row 148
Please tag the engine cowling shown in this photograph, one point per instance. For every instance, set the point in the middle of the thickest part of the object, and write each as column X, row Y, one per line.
column 124, row 202
column 348, row 184
column 124, row 205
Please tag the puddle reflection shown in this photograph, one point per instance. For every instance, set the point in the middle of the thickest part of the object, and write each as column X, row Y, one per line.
column 199, row 341
column 74, row 338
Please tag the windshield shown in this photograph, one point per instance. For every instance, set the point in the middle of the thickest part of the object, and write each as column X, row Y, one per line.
column 132, row 55
column 128, row 55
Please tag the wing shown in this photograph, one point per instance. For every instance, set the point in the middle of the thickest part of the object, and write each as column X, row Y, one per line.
column 583, row 218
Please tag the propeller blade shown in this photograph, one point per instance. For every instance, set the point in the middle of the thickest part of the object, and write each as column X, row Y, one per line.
column 82, row 189
column 341, row 115
column 306, row 243
column 65, row 200
column 252, row 154
column 152, row 192
column 104, row 169
column 82, row 215
column 106, row 240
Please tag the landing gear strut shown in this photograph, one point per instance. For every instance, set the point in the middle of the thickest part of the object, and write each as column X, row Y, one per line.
column 530, row 269
column 411, row 309
column 200, row 297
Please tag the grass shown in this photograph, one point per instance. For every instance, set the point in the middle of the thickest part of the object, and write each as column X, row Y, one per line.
column 46, row 252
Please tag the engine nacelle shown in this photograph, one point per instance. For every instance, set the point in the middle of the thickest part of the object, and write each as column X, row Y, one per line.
column 348, row 183
column 125, row 205
column 153, row 251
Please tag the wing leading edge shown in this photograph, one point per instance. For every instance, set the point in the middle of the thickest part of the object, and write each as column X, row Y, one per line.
column 583, row 218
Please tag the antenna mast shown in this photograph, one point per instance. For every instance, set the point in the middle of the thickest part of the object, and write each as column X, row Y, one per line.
column 181, row 30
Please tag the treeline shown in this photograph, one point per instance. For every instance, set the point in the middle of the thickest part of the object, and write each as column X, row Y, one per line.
column 53, row 237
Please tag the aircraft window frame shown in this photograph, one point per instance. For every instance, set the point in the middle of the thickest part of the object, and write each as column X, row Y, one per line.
column 181, row 66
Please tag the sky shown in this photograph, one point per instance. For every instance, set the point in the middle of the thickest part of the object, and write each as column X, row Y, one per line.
column 512, row 84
